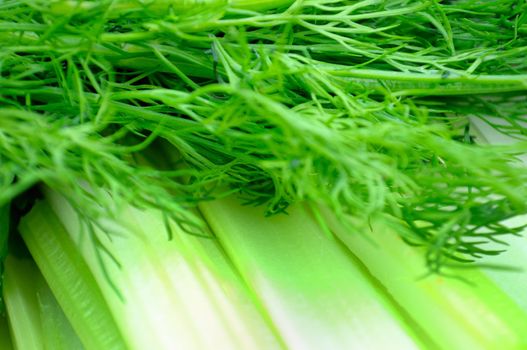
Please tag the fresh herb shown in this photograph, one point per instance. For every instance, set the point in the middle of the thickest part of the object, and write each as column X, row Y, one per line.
column 358, row 106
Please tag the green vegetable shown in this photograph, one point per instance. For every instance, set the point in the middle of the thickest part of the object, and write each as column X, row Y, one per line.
column 362, row 108
column 22, row 304
column 278, row 101
column 147, row 287
column 465, row 307
column 516, row 255
column 314, row 291
column 163, row 284
column 70, row 280
column 465, row 304
column 35, row 318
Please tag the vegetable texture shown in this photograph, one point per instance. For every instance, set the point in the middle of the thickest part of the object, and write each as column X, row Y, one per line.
column 164, row 284
column 464, row 304
column 464, row 307
column 294, row 268
column 36, row 320
column 515, row 257
column 125, row 121
column 85, row 306
column 144, row 289
column 310, row 100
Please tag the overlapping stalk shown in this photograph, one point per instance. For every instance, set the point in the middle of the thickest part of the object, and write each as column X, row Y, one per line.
column 362, row 108
column 37, row 321
column 314, row 291
column 464, row 303
column 157, row 285
column 284, row 102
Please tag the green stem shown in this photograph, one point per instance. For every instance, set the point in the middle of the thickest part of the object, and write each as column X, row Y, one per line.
column 37, row 321
column 311, row 288
column 165, row 278
column 21, row 301
column 432, row 84
column 160, row 7
column 70, row 279
column 475, row 315
column 260, row 5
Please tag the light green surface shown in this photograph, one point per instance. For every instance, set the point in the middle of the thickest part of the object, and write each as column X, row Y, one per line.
column 57, row 331
column 312, row 290
column 37, row 321
column 70, row 279
column 180, row 291
column 20, row 293
column 513, row 283
column 456, row 314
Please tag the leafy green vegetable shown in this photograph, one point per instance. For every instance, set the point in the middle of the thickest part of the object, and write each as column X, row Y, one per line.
column 133, row 116
column 358, row 106
column 466, row 303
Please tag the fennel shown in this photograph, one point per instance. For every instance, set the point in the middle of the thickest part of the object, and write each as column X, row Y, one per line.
column 36, row 320
column 277, row 101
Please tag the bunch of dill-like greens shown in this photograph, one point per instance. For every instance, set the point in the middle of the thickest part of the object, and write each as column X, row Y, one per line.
column 361, row 106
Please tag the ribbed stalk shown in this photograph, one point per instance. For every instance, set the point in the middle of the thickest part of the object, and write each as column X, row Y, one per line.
column 58, row 334
column 312, row 289
column 37, row 321
column 167, row 291
column 20, row 286
column 70, row 279
column 455, row 314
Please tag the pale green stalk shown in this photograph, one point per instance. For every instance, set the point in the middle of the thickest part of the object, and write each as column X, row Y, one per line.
column 70, row 279
column 512, row 282
column 454, row 313
column 156, row 281
column 57, row 331
column 313, row 290
column 20, row 286
column 37, row 321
